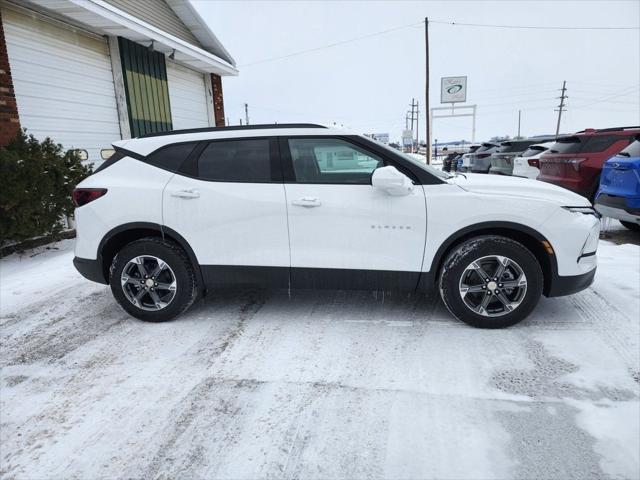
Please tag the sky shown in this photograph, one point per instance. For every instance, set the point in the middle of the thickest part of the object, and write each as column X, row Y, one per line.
column 367, row 85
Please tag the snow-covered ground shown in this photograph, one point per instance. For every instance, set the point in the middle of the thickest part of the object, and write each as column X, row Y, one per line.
column 319, row 385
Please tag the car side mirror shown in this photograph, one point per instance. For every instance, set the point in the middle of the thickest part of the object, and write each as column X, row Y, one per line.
column 390, row 180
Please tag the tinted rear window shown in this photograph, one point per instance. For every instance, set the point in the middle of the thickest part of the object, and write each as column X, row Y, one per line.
column 567, row 145
column 508, row 147
column 591, row 144
column 534, row 150
column 236, row 161
column 171, row 156
column 484, row 147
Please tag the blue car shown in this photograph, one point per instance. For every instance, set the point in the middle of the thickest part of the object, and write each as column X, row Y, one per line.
column 619, row 193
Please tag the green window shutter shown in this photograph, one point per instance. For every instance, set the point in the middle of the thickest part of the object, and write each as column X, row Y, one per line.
column 145, row 84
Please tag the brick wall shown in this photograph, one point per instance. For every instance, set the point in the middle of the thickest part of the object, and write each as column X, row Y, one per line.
column 9, row 121
column 218, row 102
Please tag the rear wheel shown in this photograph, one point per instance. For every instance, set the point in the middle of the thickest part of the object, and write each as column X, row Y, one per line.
column 491, row 282
column 153, row 280
column 635, row 227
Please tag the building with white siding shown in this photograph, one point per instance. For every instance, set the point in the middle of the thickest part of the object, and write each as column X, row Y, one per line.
column 89, row 72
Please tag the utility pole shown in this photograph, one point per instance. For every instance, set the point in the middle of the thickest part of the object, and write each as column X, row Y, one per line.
column 519, row 116
column 413, row 106
column 561, row 106
column 246, row 113
column 417, row 128
column 414, row 118
column 426, row 91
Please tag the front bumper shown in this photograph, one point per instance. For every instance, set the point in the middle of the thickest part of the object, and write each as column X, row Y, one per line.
column 618, row 208
column 90, row 269
column 561, row 286
column 617, row 213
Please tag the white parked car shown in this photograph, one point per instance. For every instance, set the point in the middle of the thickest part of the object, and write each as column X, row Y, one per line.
column 528, row 164
column 175, row 216
column 465, row 165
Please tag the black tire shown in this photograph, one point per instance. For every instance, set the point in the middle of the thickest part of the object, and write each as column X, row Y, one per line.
column 477, row 248
column 634, row 227
column 180, row 267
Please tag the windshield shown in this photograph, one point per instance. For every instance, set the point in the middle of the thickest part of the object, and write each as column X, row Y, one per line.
column 432, row 170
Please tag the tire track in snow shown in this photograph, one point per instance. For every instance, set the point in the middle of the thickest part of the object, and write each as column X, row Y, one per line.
column 592, row 307
column 59, row 332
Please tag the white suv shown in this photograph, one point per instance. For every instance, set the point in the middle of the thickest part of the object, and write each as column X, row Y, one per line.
column 174, row 216
column 527, row 165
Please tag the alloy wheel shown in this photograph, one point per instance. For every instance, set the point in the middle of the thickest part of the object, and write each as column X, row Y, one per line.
column 493, row 285
column 148, row 282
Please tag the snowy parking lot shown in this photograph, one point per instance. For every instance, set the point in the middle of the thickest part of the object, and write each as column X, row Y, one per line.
column 316, row 385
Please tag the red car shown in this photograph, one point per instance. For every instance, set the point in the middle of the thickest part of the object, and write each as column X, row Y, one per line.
column 575, row 161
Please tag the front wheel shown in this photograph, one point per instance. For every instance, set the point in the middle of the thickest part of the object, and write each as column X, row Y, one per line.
column 153, row 280
column 490, row 282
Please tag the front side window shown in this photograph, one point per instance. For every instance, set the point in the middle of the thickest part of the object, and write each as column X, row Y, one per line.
column 331, row 160
column 246, row 160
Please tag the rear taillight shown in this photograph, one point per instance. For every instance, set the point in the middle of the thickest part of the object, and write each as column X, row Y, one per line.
column 575, row 163
column 534, row 162
column 82, row 196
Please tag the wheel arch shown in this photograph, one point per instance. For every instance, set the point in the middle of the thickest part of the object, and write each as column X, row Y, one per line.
column 527, row 236
column 124, row 234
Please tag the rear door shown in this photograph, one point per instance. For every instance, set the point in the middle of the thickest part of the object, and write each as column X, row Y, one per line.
column 228, row 202
column 343, row 232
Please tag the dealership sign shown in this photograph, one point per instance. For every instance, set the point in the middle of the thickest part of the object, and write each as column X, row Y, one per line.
column 407, row 138
column 381, row 137
column 453, row 89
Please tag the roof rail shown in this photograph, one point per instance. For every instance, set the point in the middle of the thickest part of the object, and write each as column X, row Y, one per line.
column 612, row 129
column 234, row 127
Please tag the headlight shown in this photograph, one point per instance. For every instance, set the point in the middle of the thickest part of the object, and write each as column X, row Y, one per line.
column 584, row 211
column 591, row 244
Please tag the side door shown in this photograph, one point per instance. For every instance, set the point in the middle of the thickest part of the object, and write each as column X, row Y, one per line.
column 228, row 202
column 344, row 233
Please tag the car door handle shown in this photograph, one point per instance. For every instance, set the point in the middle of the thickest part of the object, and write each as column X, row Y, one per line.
column 307, row 202
column 191, row 193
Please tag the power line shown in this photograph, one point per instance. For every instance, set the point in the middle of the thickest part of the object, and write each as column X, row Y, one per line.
column 415, row 24
column 331, row 45
column 529, row 27
column 626, row 91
